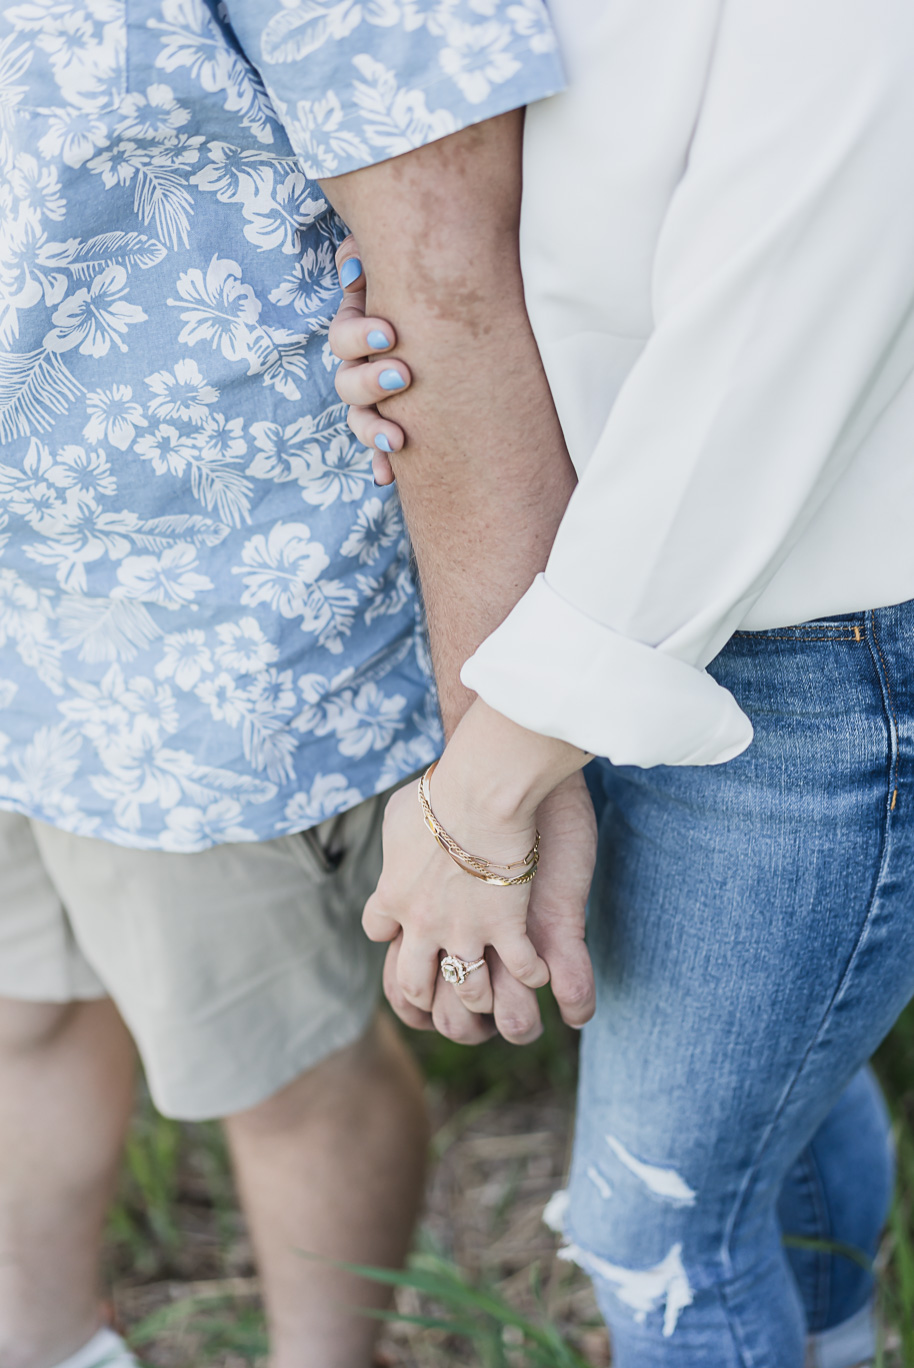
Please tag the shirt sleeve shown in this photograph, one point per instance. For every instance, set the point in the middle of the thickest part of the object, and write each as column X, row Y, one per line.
column 357, row 83
column 783, row 303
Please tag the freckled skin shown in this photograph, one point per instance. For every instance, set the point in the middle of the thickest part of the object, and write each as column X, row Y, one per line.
column 438, row 235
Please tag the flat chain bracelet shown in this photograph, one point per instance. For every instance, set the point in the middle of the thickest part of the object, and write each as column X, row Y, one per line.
column 489, row 871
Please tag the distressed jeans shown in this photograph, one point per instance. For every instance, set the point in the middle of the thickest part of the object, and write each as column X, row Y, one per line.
column 752, row 928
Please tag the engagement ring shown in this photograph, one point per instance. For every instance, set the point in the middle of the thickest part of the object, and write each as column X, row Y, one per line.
column 455, row 970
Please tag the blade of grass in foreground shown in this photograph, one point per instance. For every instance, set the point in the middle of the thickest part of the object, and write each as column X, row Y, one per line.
column 482, row 1316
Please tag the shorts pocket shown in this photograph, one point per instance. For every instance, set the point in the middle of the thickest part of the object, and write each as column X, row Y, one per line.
column 68, row 60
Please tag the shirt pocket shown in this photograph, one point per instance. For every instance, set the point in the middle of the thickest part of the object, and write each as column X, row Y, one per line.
column 66, row 59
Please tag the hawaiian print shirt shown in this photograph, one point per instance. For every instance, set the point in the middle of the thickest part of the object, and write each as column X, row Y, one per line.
column 209, row 630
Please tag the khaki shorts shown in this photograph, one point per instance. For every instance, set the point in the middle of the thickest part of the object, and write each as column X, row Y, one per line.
column 236, row 968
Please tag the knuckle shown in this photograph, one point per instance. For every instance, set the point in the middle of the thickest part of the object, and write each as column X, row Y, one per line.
column 517, row 1026
column 471, row 997
column 345, row 249
column 413, row 991
column 519, row 964
column 578, row 992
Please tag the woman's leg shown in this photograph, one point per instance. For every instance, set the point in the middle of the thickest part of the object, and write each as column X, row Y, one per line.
column 753, row 939
column 839, row 1191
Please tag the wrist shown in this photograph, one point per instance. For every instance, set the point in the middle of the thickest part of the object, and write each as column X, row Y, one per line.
column 495, row 773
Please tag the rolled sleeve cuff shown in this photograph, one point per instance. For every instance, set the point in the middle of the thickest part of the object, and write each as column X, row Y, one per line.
column 554, row 670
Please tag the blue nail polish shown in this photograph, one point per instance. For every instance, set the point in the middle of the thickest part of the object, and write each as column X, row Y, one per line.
column 350, row 271
column 378, row 340
column 382, row 443
column 391, row 380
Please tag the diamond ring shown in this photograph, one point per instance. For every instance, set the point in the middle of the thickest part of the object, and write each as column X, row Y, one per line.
column 455, row 970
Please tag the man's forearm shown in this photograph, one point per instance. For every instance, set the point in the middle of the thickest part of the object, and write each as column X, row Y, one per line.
column 485, row 477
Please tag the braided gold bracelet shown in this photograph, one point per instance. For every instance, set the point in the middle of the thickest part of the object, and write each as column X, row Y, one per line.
column 486, row 870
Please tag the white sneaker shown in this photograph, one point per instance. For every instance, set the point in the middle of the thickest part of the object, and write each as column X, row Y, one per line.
column 852, row 1344
column 104, row 1350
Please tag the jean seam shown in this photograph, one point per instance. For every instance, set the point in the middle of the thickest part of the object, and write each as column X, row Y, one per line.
column 753, row 1169
column 856, row 635
column 812, row 1182
column 888, row 701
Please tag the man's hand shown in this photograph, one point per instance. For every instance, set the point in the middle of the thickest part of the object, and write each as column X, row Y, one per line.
column 558, row 899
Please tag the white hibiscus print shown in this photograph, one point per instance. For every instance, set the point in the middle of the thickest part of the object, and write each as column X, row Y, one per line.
column 99, row 710
column 224, row 312
column 280, row 450
column 91, row 319
column 221, row 438
column 116, row 165
column 364, row 720
column 185, row 657
column 530, row 19
column 170, row 579
column 156, row 114
column 73, row 134
column 312, row 286
column 339, row 469
column 181, row 393
column 271, row 695
column 477, row 58
column 280, row 569
column 328, row 794
column 37, row 187
column 377, row 525
column 193, row 828
column 82, row 474
column 113, row 416
column 153, row 708
column 225, row 700
column 167, row 449
column 243, row 646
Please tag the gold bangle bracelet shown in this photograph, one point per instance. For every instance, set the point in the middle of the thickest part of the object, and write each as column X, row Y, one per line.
column 489, row 871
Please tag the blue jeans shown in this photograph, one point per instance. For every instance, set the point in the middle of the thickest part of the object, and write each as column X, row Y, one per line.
column 752, row 927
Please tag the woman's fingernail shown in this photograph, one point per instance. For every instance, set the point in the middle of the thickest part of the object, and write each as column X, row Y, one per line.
column 391, row 380
column 382, row 443
column 350, row 271
column 378, row 340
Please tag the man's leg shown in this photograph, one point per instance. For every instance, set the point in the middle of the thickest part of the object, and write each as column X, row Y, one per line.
column 249, row 986
column 66, row 1088
column 332, row 1166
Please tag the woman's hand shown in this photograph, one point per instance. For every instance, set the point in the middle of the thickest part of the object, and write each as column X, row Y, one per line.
column 427, row 905
column 439, row 908
column 368, row 373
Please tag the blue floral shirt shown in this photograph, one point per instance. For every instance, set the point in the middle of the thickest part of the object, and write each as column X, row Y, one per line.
column 209, row 630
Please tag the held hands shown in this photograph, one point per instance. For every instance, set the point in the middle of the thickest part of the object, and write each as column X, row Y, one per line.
column 426, row 906
column 367, row 374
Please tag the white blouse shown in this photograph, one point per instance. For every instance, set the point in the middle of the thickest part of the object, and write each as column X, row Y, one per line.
column 718, row 249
